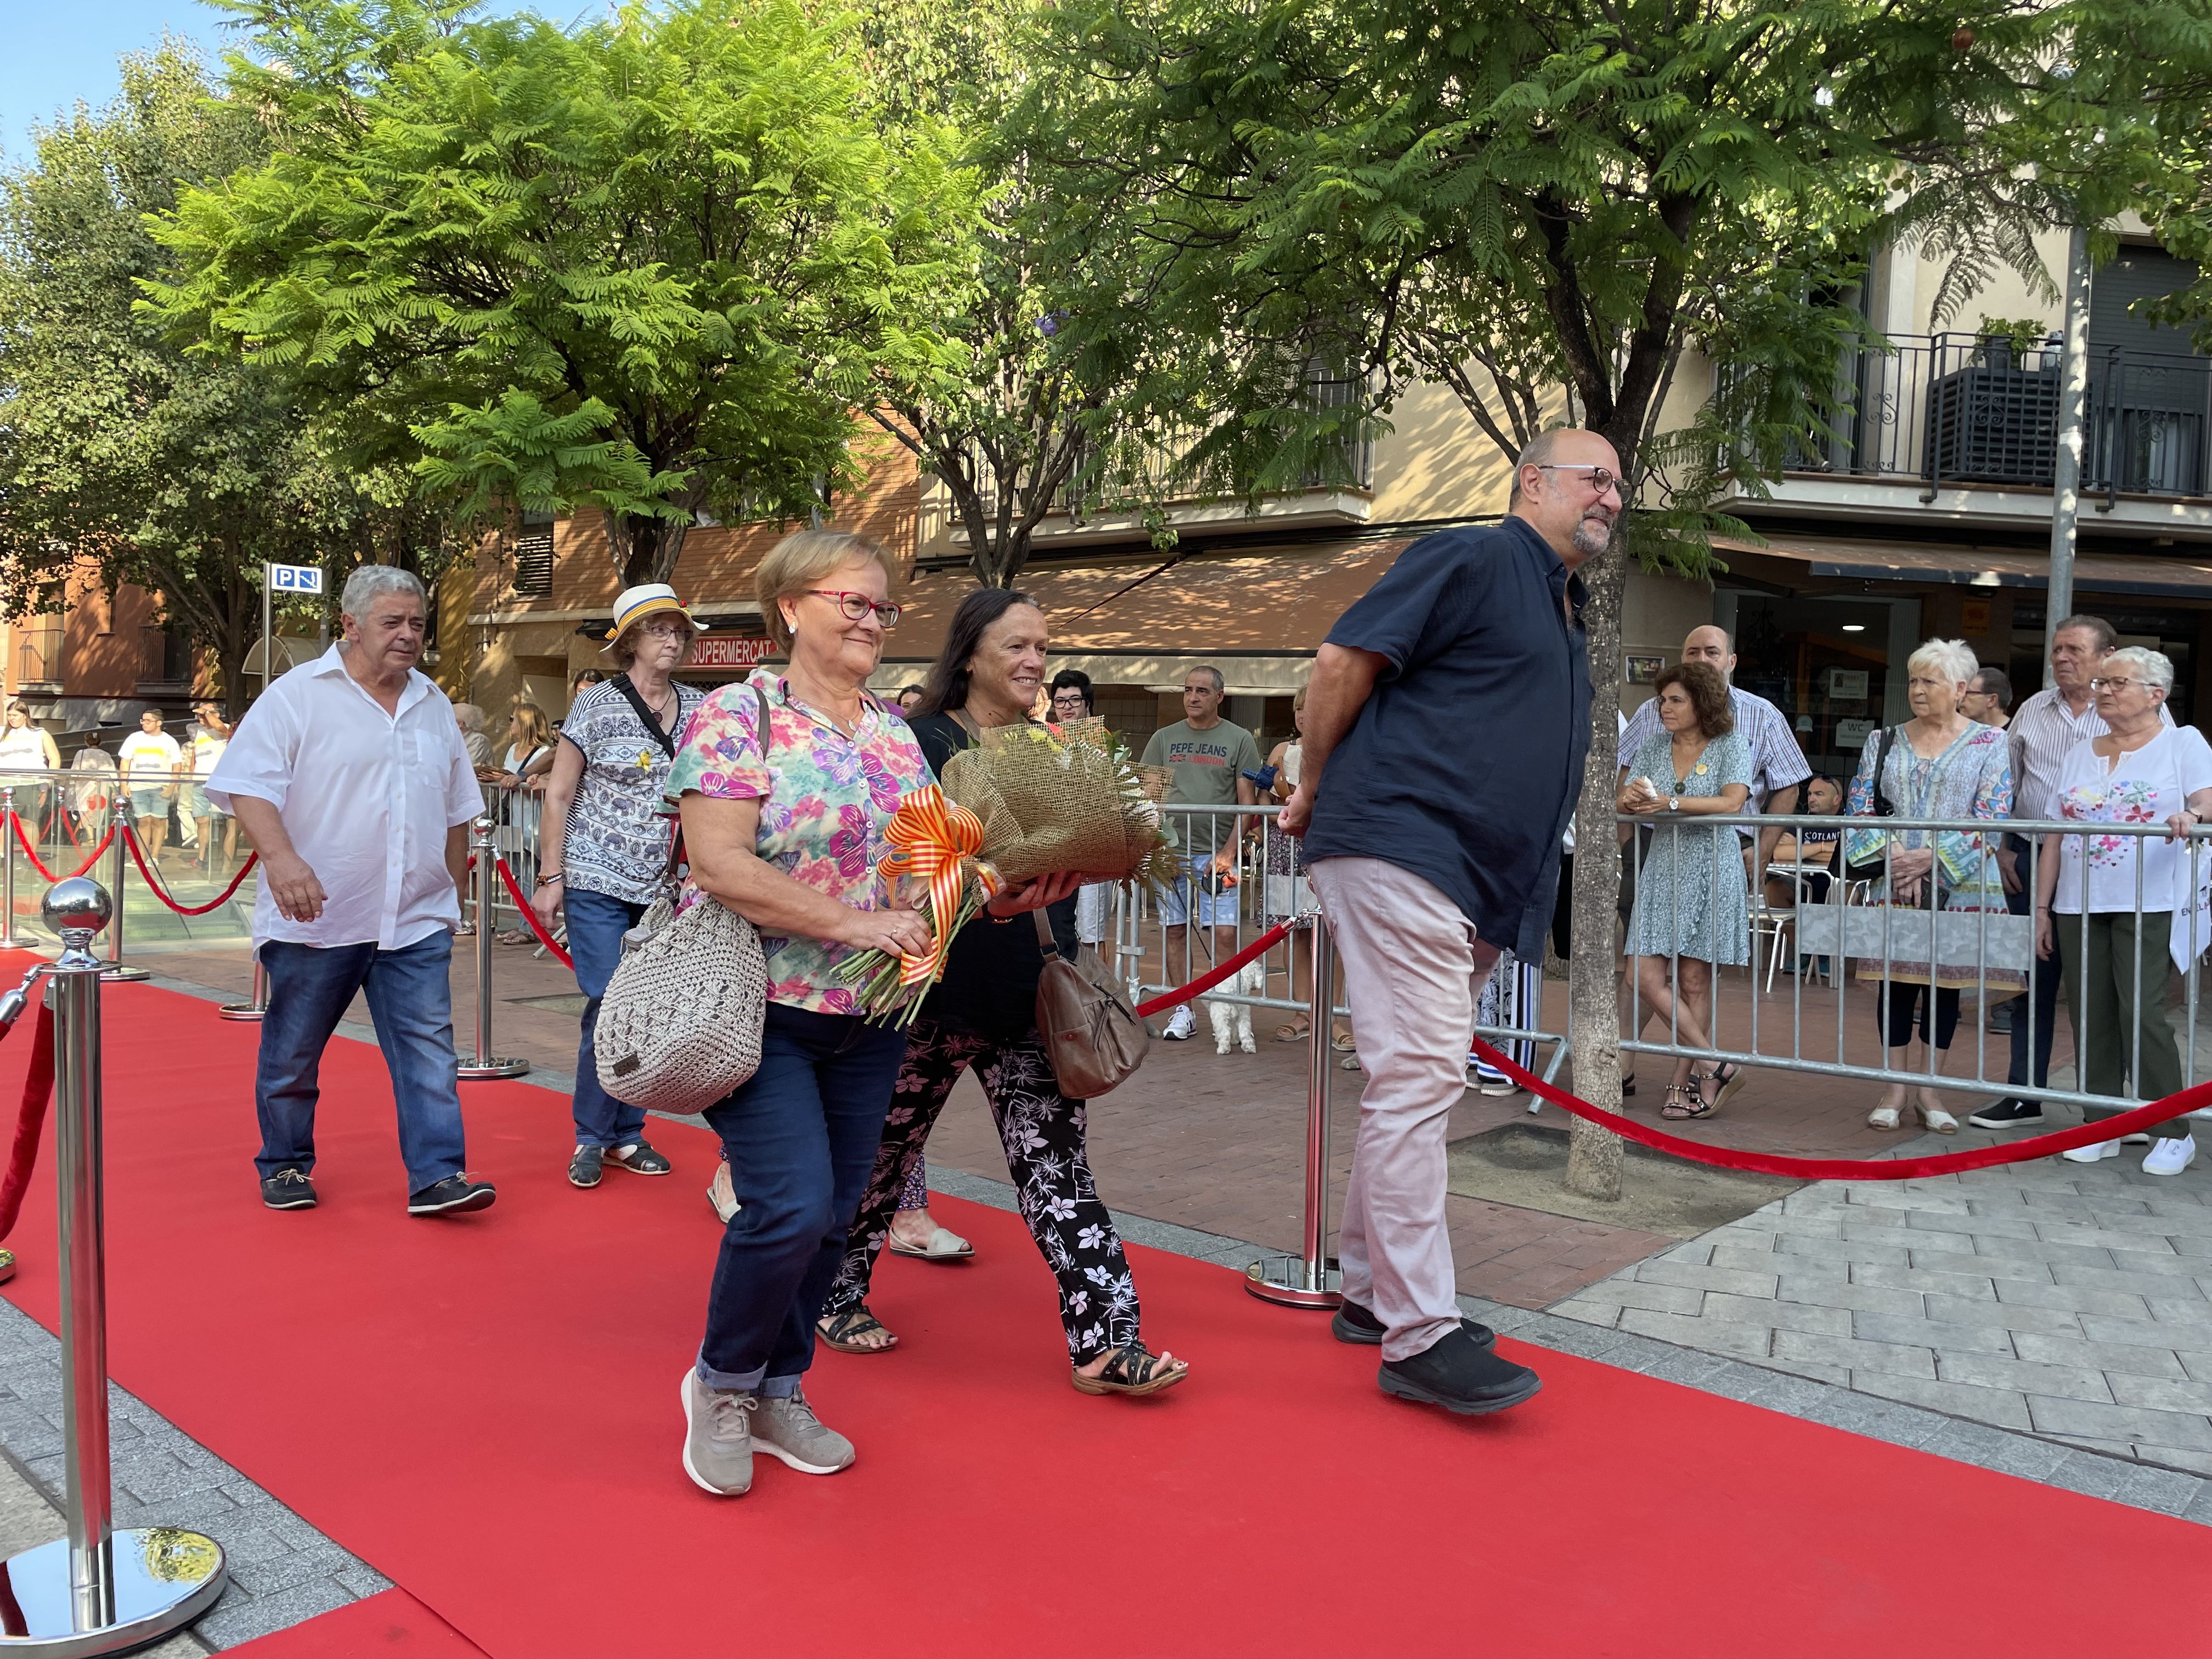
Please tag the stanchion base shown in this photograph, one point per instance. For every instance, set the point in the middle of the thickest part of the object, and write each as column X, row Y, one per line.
column 240, row 1010
column 16, row 942
column 478, row 1071
column 118, row 972
column 165, row 1578
column 1287, row 1281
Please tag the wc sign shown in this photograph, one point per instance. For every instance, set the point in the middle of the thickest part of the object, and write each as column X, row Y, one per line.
column 296, row 577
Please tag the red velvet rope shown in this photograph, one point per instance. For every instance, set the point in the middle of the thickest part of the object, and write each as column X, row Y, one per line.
column 31, row 1120
column 1853, row 1168
column 38, row 864
column 131, row 840
column 530, row 916
column 1205, row 982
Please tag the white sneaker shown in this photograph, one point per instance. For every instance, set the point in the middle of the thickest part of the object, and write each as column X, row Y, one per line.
column 2092, row 1153
column 2171, row 1156
column 1180, row 1024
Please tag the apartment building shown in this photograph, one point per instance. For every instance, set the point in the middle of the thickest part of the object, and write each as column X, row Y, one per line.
column 86, row 657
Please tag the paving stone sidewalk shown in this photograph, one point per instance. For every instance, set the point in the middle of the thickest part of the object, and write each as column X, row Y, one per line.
column 2069, row 1301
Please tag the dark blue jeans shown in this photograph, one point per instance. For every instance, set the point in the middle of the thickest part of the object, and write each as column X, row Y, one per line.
column 801, row 1139
column 597, row 922
column 411, row 1000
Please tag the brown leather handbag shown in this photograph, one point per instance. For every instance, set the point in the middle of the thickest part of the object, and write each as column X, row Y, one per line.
column 1091, row 1034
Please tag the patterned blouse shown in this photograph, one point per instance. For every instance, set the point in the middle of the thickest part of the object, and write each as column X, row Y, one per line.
column 826, row 799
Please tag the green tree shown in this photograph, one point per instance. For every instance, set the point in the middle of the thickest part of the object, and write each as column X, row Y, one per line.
column 1031, row 377
column 625, row 266
column 1554, row 209
column 119, row 450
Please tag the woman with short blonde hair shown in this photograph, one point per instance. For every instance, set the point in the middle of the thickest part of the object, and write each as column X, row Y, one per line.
column 803, row 563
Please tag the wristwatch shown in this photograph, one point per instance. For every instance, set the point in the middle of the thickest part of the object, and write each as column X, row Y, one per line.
column 1673, row 803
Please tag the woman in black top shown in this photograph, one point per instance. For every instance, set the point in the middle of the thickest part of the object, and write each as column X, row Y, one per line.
column 982, row 1014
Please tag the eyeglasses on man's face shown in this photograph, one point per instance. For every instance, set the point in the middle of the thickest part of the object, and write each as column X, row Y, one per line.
column 1602, row 478
column 856, row 606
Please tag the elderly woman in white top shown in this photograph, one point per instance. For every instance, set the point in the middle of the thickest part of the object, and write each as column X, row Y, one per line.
column 2126, row 906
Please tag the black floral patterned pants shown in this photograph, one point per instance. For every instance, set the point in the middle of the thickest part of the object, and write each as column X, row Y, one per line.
column 1041, row 1130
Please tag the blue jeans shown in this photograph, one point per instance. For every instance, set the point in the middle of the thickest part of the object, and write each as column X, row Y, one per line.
column 2033, row 1070
column 801, row 1138
column 597, row 922
column 1217, row 905
column 411, row 1000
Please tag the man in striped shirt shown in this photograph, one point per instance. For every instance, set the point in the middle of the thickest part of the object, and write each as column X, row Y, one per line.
column 2043, row 732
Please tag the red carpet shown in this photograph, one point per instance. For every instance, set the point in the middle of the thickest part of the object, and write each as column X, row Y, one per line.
column 486, row 1410
column 390, row 1626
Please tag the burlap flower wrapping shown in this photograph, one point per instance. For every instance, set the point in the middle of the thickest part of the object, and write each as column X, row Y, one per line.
column 1061, row 798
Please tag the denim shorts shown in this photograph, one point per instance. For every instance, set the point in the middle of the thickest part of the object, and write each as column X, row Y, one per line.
column 149, row 803
column 1217, row 904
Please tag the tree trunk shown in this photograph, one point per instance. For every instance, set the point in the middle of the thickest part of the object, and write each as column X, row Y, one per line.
column 643, row 548
column 1594, row 1155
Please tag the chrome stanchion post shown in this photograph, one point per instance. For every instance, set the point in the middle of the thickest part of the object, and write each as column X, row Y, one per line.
column 1310, row 1280
column 260, row 1005
column 117, row 968
column 485, row 1065
column 9, row 939
column 96, row 1591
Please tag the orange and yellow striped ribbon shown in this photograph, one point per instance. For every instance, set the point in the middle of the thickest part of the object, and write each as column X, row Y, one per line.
column 932, row 840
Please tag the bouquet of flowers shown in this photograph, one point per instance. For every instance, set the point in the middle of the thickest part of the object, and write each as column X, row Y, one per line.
column 1026, row 801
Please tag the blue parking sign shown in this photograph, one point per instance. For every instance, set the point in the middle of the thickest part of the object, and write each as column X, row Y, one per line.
column 296, row 577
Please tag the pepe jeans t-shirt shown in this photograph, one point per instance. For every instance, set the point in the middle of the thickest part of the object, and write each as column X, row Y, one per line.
column 1206, row 765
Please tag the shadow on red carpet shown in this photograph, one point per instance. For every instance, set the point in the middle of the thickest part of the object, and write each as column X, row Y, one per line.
column 485, row 1408
column 391, row 1624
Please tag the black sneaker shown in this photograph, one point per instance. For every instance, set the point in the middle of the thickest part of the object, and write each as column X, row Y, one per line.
column 586, row 1168
column 638, row 1158
column 454, row 1195
column 2008, row 1114
column 289, row 1189
column 1354, row 1324
column 1461, row 1376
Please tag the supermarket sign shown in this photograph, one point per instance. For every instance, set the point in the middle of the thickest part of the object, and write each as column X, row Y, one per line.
column 730, row 651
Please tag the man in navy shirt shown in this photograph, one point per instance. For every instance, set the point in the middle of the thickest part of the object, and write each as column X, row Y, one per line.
column 1446, row 726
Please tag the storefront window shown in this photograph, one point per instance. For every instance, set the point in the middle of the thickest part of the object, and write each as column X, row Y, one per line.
column 1823, row 663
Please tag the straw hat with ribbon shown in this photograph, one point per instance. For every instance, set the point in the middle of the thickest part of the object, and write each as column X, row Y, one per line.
column 633, row 604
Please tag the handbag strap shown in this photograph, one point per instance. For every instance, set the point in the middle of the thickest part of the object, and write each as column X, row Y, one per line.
column 645, row 716
column 767, row 732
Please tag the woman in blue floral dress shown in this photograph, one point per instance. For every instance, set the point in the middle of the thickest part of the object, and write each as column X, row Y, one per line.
column 1939, row 765
column 1693, row 910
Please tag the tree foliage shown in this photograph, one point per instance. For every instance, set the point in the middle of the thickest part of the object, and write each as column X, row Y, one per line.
column 626, row 265
column 1558, row 208
column 120, row 452
column 1034, row 375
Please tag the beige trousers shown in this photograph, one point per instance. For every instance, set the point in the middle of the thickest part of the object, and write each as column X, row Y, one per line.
column 1412, row 970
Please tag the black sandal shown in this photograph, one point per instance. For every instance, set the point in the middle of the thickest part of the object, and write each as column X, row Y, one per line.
column 1727, row 1079
column 840, row 1330
column 1684, row 1103
column 1133, row 1370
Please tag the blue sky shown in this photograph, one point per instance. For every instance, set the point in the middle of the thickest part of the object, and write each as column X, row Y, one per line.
column 58, row 52
column 61, row 50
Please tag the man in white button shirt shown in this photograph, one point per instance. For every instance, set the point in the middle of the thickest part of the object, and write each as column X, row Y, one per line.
column 349, row 776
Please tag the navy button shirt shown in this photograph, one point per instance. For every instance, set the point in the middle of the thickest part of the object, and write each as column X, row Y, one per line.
column 1464, row 765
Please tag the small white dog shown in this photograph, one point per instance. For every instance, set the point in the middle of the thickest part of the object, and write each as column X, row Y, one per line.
column 1235, row 1018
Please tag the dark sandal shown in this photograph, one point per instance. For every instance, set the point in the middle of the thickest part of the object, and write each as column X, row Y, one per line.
column 1726, row 1079
column 1133, row 1370
column 839, row 1330
column 1684, row 1103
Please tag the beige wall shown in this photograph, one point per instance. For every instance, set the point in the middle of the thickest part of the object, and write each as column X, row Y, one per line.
column 1656, row 612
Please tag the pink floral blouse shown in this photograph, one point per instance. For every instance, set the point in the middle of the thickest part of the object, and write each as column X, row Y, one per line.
column 824, row 799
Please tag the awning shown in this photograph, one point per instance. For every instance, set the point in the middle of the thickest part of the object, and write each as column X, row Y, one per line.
column 1803, row 558
column 1257, row 615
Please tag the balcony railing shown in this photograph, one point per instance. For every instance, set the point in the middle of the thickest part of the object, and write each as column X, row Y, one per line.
column 1961, row 409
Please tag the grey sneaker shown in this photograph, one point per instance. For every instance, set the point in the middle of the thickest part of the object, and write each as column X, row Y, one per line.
column 718, row 1436
column 788, row 1429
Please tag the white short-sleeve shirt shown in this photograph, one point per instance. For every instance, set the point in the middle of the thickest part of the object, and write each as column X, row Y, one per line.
column 2144, row 786
column 367, row 798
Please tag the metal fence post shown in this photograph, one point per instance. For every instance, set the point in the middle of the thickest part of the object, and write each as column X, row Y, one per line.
column 1310, row 1280
column 484, row 1065
column 117, row 968
column 260, row 1005
column 9, row 939
column 96, row 1591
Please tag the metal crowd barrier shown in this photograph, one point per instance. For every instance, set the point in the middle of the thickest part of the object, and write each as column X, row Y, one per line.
column 98, row 1590
column 1981, row 950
